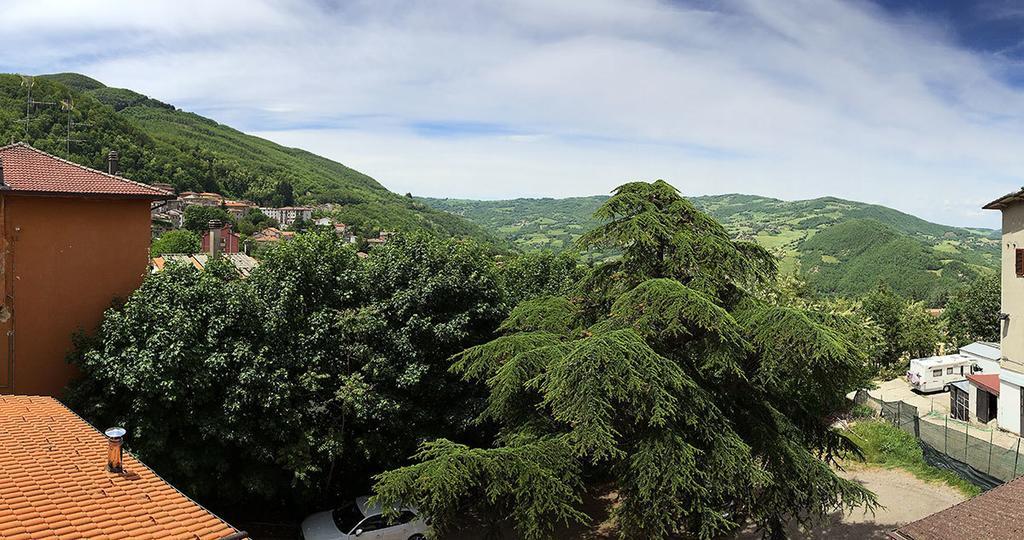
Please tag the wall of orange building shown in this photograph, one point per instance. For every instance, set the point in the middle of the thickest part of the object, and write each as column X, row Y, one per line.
column 71, row 258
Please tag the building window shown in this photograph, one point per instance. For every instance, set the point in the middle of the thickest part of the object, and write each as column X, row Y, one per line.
column 936, row 373
column 949, row 371
column 1019, row 261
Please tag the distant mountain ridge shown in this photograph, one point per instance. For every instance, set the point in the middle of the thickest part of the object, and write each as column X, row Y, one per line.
column 160, row 143
column 838, row 246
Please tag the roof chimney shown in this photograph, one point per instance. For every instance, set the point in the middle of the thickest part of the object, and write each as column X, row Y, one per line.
column 215, row 227
column 115, row 437
column 112, row 159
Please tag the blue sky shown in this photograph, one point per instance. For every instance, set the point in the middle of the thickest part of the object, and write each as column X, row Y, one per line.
column 915, row 104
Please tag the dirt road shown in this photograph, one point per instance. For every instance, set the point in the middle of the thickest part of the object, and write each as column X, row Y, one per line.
column 904, row 497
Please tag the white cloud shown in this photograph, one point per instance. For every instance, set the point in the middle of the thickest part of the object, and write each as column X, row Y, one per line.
column 789, row 99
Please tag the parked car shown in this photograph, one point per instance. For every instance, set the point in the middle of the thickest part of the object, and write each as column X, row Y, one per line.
column 364, row 521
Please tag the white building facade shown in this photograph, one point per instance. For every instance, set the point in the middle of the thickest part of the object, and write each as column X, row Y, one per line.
column 1011, row 320
column 288, row 215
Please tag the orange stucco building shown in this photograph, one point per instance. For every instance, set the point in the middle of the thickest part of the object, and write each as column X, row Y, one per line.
column 72, row 241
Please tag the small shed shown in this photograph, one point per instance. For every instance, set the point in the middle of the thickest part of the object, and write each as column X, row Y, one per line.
column 960, row 400
column 984, row 396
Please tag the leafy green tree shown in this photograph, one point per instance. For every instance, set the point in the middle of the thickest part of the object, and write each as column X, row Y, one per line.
column 300, row 225
column 886, row 309
column 672, row 381
column 176, row 241
column 919, row 332
column 284, row 195
column 428, row 299
column 529, row 275
column 197, row 218
column 972, row 313
column 287, row 387
column 254, row 221
column 907, row 330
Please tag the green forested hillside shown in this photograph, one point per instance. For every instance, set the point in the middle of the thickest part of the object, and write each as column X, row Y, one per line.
column 850, row 257
column 552, row 224
column 159, row 143
column 838, row 246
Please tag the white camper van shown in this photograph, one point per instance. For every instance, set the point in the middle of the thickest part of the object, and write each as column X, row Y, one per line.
column 932, row 374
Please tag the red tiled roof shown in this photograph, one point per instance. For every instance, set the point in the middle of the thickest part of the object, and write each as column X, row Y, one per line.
column 988, row 382
column 28, row 170
column 997, row 514
column 54, row 483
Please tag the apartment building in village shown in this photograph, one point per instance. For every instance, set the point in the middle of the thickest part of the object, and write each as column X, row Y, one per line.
column 62, row 225
column 72, row 241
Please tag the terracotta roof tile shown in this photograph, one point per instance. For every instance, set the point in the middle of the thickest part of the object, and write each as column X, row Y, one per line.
column 28, row 170
column 54, row 483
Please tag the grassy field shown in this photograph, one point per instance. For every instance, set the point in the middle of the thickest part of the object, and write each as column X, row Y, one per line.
column 885, row 445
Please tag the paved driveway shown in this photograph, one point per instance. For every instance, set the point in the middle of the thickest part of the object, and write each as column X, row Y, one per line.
column 899, row 390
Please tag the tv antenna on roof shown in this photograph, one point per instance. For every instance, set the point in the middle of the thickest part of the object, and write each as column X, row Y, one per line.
column 69, row 106
column 28, row 81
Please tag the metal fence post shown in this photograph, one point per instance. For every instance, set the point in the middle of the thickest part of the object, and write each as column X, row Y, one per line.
column 967, row 441
column 990, row 434
column 945, row 436
column 1016, row 456
column 899, row 414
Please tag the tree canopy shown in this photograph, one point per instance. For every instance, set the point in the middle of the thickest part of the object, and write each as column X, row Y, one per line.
column 197, row 218
column 290, row 386
column 972, row 313
column 176, row 241
column 670, row 377
column 905, row 328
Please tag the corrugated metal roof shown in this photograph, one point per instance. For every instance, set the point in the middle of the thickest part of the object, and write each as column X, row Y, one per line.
column 983, row 349
column 242, row 262
column 986, row 381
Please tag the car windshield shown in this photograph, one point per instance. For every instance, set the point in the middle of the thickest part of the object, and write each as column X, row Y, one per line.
column 347, row 517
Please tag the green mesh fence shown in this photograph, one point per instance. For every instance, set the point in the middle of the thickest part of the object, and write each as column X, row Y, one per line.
column 963, row 442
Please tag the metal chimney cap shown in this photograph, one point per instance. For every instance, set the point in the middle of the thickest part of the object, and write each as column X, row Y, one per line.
column 115, row 432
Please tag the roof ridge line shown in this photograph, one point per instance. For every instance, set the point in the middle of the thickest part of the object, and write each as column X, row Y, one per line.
column 156, row 191
column 133, row 456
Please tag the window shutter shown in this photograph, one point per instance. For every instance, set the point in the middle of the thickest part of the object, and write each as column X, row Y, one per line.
column 1020, row 262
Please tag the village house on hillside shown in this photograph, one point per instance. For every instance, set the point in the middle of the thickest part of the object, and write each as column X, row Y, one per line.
column 218, row 241
column 221, row 239
column 238, row 209
column 382, row 238
column 73, row 240
column 61, row 478
column 272, row 234
column 201, row 199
